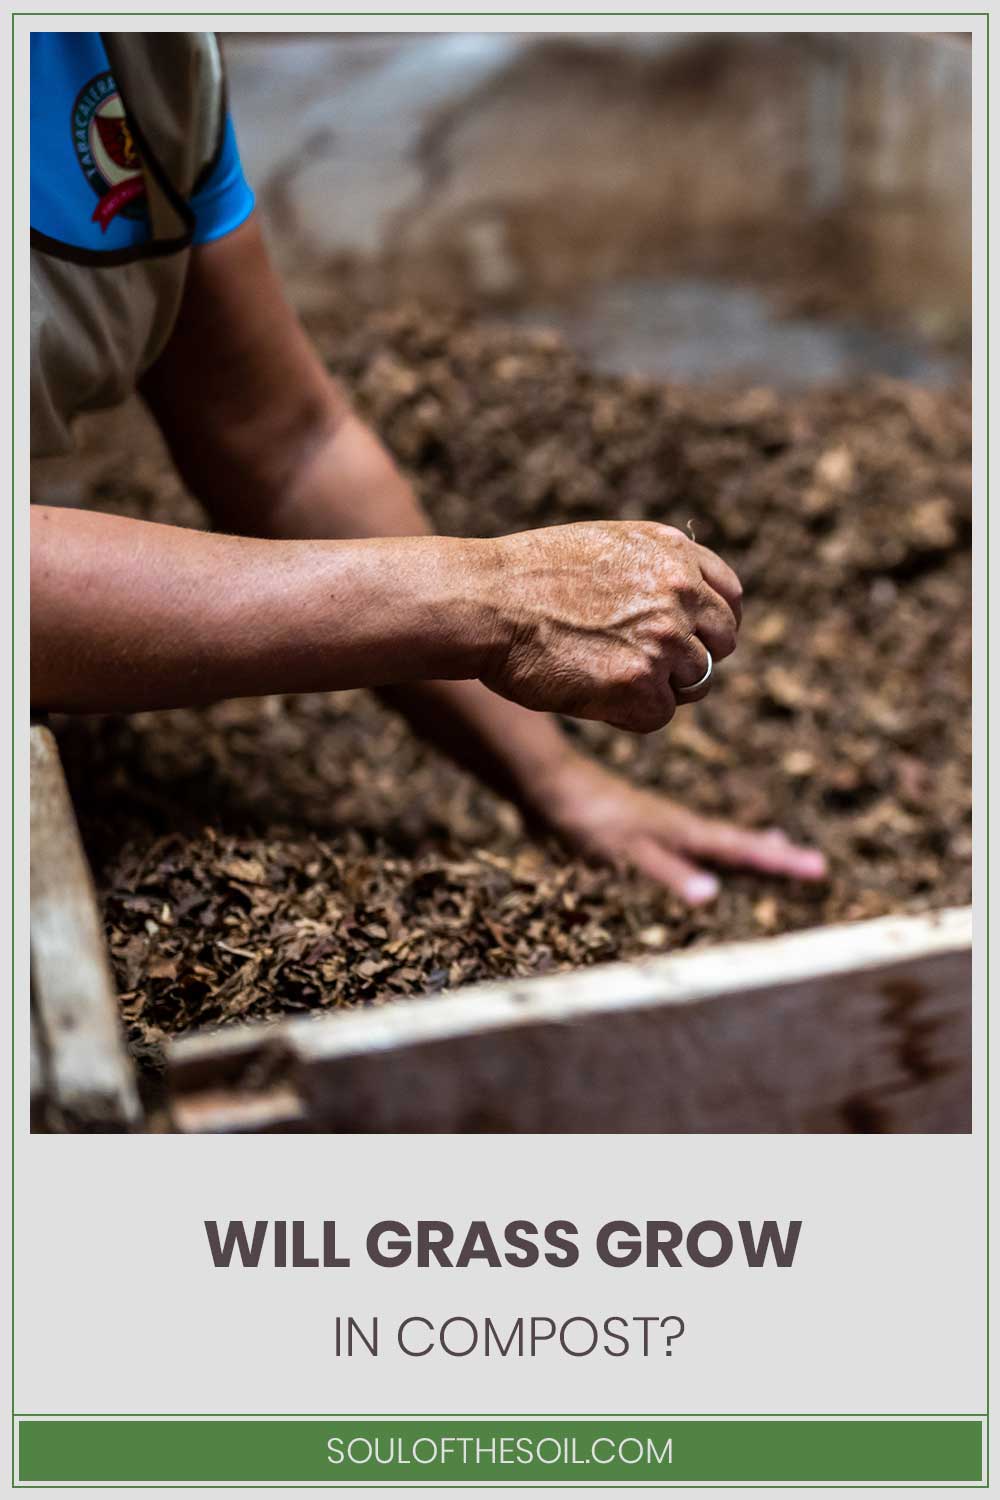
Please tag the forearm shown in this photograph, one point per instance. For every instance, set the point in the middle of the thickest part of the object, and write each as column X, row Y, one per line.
column 127, row 615
column 349, row 484
column 346, row 484
column 514, row 750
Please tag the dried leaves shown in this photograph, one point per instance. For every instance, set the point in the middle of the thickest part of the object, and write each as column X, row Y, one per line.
column 304, row 853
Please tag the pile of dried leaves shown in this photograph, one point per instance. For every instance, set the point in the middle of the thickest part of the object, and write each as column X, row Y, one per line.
column 299, row 853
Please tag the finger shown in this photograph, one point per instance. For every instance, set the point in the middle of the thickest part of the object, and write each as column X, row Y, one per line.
column 687, row 686
column 689, row 662
column 714, row 622
column 720, row 576
column 770, row 851
column 642, row 721
column 675, row 872
column 640, row 711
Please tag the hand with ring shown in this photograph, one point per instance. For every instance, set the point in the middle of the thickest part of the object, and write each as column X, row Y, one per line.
column 619, row 621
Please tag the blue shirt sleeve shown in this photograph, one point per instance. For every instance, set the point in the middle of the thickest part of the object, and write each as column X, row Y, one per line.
column 225, row 199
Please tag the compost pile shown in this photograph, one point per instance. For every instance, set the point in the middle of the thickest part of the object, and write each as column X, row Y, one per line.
column 304, row 853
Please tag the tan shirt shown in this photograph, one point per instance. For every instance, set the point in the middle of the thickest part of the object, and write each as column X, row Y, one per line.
column 99, row 318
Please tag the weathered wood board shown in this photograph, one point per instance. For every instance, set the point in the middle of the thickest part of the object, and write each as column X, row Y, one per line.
column 860, row 1027
column 81, row 1075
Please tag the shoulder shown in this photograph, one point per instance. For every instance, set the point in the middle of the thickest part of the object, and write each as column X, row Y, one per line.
column 126, row 129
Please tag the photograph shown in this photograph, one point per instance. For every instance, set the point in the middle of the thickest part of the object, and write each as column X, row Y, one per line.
column 501, row 581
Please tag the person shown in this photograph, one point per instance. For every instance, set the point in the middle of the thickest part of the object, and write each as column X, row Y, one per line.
column 149, row 272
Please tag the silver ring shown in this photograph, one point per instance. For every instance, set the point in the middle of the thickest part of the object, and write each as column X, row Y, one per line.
column 693, row 687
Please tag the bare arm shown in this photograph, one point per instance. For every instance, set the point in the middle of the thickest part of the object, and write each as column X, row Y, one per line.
column 129, row 615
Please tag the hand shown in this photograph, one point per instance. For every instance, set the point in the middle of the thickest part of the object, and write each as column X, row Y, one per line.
column 607, row 819
column 607, row 620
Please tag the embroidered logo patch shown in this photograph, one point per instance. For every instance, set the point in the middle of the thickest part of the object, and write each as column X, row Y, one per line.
column 107, row 152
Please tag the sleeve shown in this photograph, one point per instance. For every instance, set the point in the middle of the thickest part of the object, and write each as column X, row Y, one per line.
column 223, row 199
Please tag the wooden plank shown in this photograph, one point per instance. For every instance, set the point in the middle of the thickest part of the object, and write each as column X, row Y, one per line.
column 84, row 1078
column 863, row 1026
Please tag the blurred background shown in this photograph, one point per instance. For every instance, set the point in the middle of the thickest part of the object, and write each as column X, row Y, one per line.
column 790, row 208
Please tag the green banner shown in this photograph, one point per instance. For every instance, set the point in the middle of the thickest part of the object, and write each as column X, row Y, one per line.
column 587, row 1451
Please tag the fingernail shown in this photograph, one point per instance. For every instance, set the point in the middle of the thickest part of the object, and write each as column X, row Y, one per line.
column 701, row 888
column 813, row 865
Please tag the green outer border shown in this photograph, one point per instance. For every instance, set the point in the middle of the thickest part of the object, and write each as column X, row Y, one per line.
column 690, row 1416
